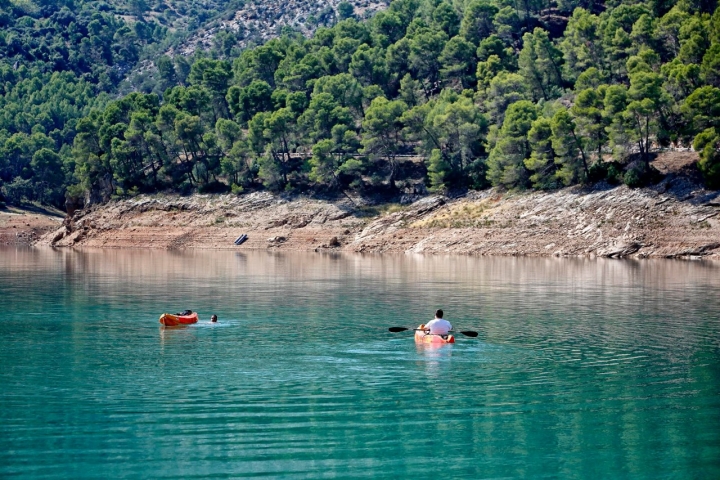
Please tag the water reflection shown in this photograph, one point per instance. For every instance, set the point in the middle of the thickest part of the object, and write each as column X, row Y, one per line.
column 178, row 335
column 437, row 358
column 581, row 366
column 151, row 265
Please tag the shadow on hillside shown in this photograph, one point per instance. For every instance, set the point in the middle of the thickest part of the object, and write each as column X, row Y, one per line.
column 32, row 208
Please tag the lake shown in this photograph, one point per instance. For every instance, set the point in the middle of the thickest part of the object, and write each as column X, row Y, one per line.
column 582, row 368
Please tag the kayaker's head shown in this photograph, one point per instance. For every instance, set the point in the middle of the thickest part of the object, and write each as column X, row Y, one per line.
column 213, row 318
column 438, row 313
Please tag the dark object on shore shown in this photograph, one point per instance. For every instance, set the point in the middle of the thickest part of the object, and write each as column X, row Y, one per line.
column 241, row 239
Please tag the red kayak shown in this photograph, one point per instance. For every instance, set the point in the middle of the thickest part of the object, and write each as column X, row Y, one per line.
column 173, row 320
column 422, row 337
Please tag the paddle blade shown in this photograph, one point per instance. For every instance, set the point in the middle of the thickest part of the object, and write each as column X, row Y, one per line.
column 398, row 329
column 469, row 333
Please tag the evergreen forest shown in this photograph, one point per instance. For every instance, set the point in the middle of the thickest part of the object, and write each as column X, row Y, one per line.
column 464, row 94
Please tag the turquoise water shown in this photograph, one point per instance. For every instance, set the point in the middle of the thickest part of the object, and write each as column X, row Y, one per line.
column 582, row 369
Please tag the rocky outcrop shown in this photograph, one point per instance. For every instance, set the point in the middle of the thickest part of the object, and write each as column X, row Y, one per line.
column 388, row 224
column 620, row 250
column 207, row 221
column 259, row 21
column 670, row 220
column 676, row 218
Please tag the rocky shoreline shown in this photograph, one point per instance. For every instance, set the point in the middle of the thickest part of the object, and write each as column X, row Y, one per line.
column 20, row 226
column 676, row 218
column 602, row 222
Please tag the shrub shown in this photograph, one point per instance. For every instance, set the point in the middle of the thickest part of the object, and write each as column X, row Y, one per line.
column 633, row 178
column 597, row 172
column 214, row 187
column 477, row 174
column 19, row 190
column 707, row 144
column 611, row 172
column 639, row 175
column 614, row 172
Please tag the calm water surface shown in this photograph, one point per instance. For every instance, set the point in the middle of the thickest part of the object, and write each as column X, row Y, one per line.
column 582, row 369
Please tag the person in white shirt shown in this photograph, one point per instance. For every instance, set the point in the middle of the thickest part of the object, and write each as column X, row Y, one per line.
column 438, row 325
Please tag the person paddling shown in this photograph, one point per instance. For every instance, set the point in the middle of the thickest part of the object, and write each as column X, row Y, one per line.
column 213, row 319
column 438, row 325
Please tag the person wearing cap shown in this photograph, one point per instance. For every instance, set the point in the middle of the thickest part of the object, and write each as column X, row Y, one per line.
column 213, row 319
column 438, row 325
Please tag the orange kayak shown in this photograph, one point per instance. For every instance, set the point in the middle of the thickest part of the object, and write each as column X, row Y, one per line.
column 422, row 337
column 173, row 320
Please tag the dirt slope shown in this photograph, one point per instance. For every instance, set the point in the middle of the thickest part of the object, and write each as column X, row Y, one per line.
column 26, row 226
column 672, row 219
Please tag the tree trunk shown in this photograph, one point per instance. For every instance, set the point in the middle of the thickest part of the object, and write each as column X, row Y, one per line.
column 646, row 155
column 582, row 154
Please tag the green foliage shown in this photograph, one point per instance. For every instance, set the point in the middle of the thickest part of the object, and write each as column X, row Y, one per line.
column 477, row 22
column 506, row 164
column 590, row 121
column 542, row 159
column 611, row 172
column 382, row 132
column 570, row 148
column 458, row 63
column 504, row 90
column 639, row 174
column 702, row 108
column 453, row 125
column 484, row 90
column 425, row 48
column 540, row 63
column 57, row 62
column 707, row 144
column 324, row 113
column 633, row 178
column 245, row 102
column 331, row 162
column 48, row 176
column 345, row 10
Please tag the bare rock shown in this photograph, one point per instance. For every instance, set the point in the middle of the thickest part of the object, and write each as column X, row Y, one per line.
column 620, row 250
column 697, row 251
column 58, row 235
column 393, row 221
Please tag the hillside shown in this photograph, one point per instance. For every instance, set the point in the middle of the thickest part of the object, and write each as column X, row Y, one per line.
column 534, row 97
column 675, row 219
column 258, row 21
column 224, row 30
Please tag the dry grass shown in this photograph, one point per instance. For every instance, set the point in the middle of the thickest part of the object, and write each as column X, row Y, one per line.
column 463, row 215
column 379, row 210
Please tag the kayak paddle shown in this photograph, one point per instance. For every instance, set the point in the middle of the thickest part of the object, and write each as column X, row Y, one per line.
column 398, row 329
column 467, row 333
